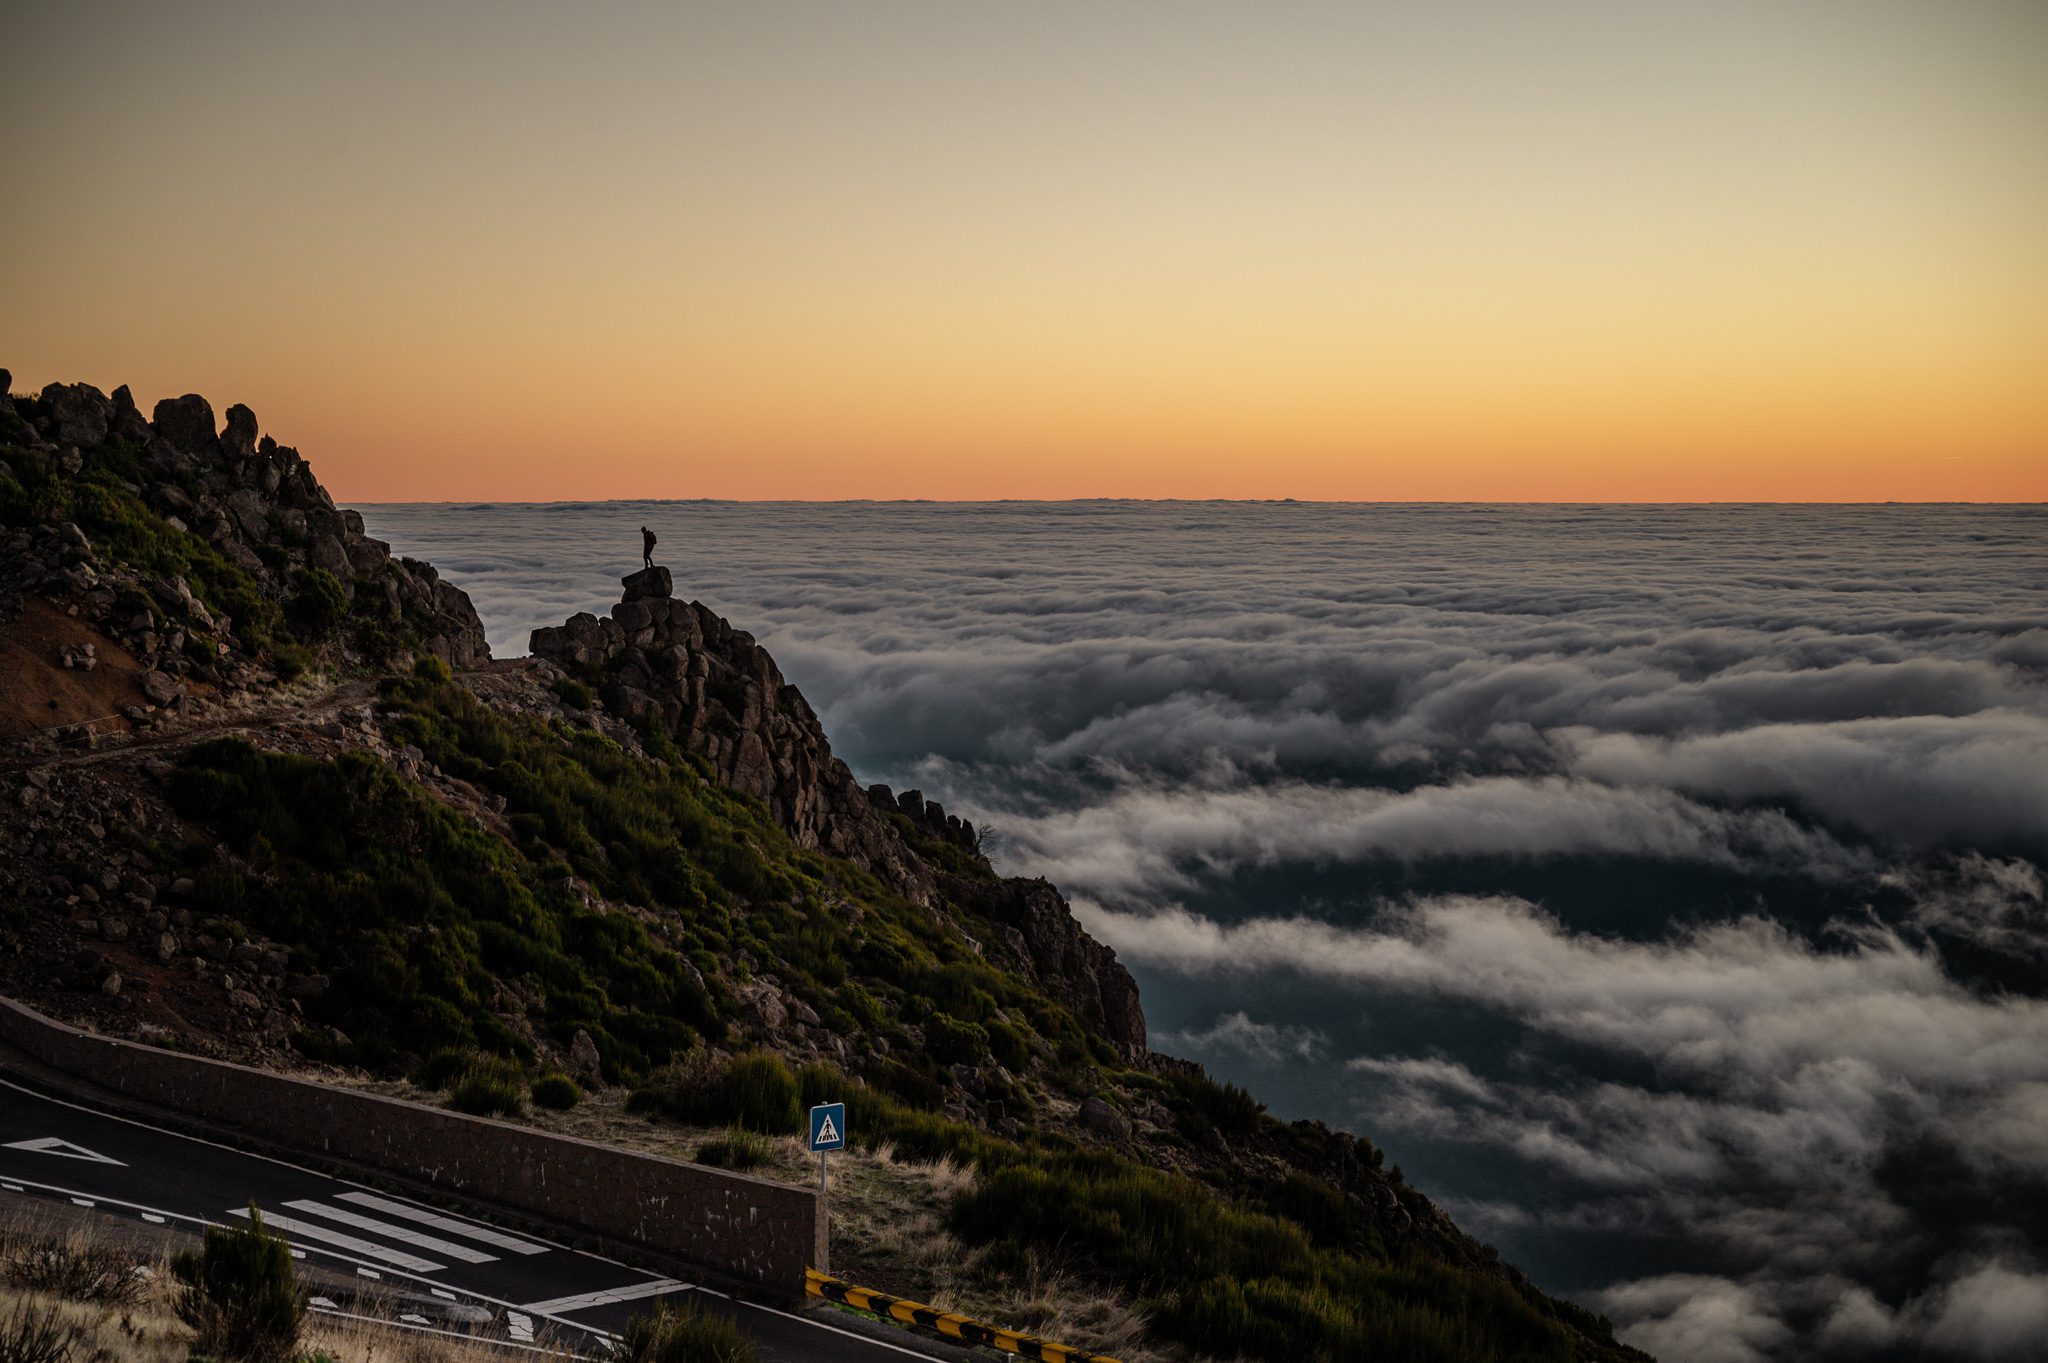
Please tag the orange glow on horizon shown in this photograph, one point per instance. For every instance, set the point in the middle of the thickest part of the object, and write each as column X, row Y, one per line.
column 816, row 251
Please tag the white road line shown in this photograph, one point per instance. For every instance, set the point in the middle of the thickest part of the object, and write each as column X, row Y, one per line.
column 366, row 1199
column 468, row 1230
column 555, row 1352
column 297, row 1229
column 391, row 1232
column 25, row 1185
column 630, row 1292
column 153, row 1218
column 83, row 1201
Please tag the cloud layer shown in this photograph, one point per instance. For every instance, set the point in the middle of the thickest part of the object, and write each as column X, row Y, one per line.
column 1664, row 884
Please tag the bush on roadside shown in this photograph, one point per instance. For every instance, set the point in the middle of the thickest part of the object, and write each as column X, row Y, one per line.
column 756, row 1090
column 685, row 1334
column 491, row 1088
column 738, row 1148
column 557, row 1092
column 241, row 1295
column 446, row 1065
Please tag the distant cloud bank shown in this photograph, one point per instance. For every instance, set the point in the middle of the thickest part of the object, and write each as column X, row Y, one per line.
column 1678, row 868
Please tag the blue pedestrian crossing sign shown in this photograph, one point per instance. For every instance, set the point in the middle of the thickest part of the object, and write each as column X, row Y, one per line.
column 828, row 1126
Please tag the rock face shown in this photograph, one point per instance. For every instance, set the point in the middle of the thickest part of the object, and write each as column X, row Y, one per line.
column 254, row 501
column 717, row 694
column 1041, row 937
column 185, row 423
column 648, row 582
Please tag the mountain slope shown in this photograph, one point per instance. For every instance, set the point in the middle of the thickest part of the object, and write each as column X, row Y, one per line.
column 320, row 826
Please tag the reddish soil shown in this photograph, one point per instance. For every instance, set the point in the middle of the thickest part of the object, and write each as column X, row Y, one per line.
column 38, row 692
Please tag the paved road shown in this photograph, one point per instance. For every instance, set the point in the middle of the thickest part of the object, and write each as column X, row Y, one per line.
column 60, row 1151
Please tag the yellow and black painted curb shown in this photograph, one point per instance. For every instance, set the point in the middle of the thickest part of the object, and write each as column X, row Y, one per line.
column 952, row 1326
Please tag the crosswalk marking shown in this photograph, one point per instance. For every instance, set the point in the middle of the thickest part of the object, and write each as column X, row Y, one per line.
column 605, row 1297
column 391, row 1232
column 468, row 1230
column 302, row 1231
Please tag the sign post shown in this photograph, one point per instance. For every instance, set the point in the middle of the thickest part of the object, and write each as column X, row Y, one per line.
column 828, row 1133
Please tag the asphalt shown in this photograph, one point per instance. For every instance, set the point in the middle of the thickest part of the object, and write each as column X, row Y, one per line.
column 514, row 1286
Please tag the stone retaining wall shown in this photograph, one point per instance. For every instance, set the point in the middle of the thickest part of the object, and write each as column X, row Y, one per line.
column 740, row 1227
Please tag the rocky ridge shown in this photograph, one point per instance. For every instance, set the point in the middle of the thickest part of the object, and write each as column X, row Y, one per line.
column 266, row 534
column 717, row 694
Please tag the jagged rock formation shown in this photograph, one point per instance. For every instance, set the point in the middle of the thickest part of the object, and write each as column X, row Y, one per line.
column 253, row 502
column 716, row 693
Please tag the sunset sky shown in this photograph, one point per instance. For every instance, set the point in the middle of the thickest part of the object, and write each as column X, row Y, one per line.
column 1753, row 249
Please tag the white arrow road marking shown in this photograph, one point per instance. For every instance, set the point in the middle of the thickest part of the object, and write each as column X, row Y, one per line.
column 631, row 1292
column 300, row 1230
column 51, row 1145
column 468, row 1230
column 391, row 1232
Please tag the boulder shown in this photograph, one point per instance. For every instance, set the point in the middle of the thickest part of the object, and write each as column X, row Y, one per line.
column 129, row 422
column 239, row 439
column 160, row 689
column 186, row 422
column 80, row 414
column 648, row 582
column 1104, row 1120
column 584, row 1062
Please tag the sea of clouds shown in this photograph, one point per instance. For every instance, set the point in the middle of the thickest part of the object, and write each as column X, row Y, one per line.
column 1662, row 887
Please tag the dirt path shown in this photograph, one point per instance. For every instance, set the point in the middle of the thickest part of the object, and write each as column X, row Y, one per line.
column 173, row 733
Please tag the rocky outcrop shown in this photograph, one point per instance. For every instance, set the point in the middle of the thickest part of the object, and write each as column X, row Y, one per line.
column 717, row 694
column 928, row 817
column 255, row 502
column 1041, row 938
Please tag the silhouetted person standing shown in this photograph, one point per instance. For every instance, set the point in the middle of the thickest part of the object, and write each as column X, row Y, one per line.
column 647, row 546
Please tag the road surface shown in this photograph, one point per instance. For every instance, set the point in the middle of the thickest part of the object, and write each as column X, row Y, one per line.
column 529, row 1286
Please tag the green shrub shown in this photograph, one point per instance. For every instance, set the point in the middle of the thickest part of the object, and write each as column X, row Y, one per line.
column 1009, row 1045
column 291, row 661
column 491, row 1088
column 953, row 1042
column 446, row 1065
column 240, row 1294
column 319, row 604
column 738, row 1148
column 820, row 1083
column 756, row 1090
column 1204, row 1103
column 572, row 693
column 681, row 1334
column 556, row 1091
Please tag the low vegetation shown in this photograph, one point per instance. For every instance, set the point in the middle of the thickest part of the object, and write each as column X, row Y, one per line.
column 685, row 1334
column 56, row 1307
column 241, row 1295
